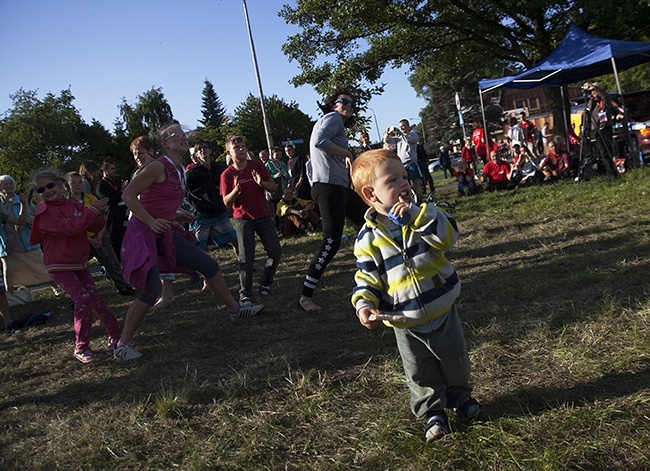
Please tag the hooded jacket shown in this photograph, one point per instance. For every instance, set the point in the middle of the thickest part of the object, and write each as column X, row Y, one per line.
column 413, row 279
column 60, row 227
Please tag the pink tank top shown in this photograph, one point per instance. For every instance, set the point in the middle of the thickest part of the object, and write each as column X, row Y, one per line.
column 161, row 200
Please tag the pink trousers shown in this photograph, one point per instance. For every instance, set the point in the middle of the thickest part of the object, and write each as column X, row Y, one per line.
column 81, row 288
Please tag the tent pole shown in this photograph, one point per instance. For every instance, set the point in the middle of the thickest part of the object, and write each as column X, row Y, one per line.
column 564, row 115
column 480, row 94
column 618, row 83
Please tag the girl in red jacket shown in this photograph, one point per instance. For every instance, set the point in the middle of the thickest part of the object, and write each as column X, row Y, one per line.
column 60, row 227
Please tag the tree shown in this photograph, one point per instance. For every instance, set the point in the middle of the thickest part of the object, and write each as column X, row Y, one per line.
column 442, row 41
column 150, row 112
column 449, row 39
column 37, row 133
column 287, row 121
column 214, row 114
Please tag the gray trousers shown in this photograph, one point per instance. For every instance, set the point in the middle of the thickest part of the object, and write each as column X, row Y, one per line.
column 436, row 365
column 106, row 256
column 246, row 230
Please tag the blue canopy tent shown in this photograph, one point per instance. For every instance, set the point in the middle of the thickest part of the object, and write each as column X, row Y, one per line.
column 579, row 56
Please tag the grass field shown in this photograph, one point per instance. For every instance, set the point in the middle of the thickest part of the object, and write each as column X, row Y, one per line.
column 556, row 305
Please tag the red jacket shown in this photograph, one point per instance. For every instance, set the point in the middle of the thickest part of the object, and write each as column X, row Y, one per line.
column 60, row 227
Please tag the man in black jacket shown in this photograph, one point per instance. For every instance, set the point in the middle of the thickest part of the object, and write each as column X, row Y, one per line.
column 212, row 223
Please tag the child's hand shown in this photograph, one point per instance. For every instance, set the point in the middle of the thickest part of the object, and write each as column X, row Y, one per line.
column 183, row 217
column 237, row 186
column 364, row 317
column 257, row 177
column 159, row 225
column 100, row 205
column 401, row 207
column 95, row 243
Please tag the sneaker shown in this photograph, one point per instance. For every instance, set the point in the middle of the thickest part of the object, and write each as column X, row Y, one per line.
column 265, row 290
column 84, row 356
column 436, row 427
column 127, row 291
column 112, row 344
column 244, row 311
column 245, row 301
column 194, row 279
column 469, row 409
column 126, row 352
column 162, row 303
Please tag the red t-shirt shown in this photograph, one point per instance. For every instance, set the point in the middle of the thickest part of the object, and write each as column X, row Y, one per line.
column 251, row 203
column 467, row 154
column 478, row 136
column 496, row 172
column 529, row 127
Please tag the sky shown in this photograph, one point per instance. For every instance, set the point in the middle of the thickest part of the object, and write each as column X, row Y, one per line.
column 107, row 50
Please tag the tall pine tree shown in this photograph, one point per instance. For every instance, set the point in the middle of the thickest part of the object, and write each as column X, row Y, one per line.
column 214, row 114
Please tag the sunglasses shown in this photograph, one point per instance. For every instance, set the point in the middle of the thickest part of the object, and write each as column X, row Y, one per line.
column 176, row 134
column 42, row 189
column 345, row 102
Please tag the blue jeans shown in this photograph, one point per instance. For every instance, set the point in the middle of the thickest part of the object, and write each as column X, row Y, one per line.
column 246, row 230
column 215, row 227
column 436, row 365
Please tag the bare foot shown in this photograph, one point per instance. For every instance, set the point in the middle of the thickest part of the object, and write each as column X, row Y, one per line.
column 307, row 304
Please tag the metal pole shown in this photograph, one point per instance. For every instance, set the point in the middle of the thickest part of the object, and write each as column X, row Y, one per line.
column 267, row 125
column 376, row 124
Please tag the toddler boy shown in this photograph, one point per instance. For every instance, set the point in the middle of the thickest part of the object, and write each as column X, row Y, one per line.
column 404, row 280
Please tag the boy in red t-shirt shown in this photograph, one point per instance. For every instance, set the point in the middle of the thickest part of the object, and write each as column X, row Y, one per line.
column 243, row 186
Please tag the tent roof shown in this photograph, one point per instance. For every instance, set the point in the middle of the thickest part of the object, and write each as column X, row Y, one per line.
column 579, row 56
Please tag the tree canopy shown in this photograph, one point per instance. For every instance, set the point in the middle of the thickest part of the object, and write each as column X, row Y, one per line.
column 287, row 121
column 445, row 43
column 37, row 133
column 150, row 111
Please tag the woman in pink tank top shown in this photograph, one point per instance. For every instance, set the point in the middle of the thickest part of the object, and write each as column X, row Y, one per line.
column 156, row 243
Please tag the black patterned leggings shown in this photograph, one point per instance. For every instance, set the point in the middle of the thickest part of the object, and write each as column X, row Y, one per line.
column 334, row 203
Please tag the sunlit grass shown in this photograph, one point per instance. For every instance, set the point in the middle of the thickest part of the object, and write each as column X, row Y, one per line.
column 556, row 306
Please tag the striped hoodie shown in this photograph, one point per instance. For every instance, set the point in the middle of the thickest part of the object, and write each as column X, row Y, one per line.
column 413, row 279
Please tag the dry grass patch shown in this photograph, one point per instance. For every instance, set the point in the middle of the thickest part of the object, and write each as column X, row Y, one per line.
column 556, row 305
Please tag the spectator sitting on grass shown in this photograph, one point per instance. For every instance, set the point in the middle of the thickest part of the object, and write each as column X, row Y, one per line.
column 465, row 178
column 297, row 215
column 495, row 173
column 556, row 163
column 525, row 171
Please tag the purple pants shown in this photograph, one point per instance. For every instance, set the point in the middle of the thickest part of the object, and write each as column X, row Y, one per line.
column 82, row 290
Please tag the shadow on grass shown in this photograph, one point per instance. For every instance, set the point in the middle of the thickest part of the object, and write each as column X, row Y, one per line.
column 525, row 401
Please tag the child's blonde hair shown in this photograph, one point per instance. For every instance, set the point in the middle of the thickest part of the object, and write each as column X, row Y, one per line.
column 46, row 173
column 363, row 168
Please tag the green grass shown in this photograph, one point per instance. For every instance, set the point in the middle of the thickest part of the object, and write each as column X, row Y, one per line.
column 556, row 307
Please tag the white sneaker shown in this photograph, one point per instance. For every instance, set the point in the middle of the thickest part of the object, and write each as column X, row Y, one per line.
column 126, row 352
column 248, row 310
column 161, row 303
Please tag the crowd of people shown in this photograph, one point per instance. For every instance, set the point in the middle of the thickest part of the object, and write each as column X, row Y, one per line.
column 164, row 218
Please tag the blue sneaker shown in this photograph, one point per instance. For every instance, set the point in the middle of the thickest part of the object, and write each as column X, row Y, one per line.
column 437, row 426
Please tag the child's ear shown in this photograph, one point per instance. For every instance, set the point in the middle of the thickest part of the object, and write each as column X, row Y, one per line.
column 369, row 193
